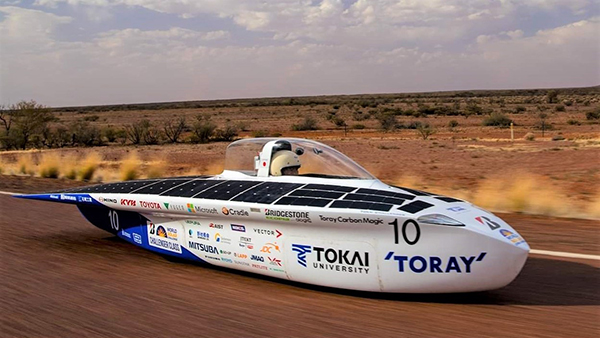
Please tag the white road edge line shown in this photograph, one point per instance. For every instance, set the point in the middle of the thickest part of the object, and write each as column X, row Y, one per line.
column 564, row 254
column 532, row 251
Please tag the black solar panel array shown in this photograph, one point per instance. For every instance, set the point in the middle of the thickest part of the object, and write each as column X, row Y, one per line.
column 415, row 206
column 267, row 192
column 279, row 193
column 191, row 188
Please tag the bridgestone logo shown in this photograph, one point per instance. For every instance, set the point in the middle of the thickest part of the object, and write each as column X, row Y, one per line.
column 287, row 214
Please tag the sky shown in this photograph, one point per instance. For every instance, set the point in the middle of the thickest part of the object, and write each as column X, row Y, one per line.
column 90, row 52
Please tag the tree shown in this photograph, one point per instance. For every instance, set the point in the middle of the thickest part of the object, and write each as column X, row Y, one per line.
column 24, row 122
column 203, row 129
column 174, row 129
column 552, row 96
column 425, row 130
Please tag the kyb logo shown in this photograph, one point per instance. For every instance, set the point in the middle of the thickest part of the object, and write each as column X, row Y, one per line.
column 434, row 264
column 340, row 219
column 129, row 203
column 333, row 259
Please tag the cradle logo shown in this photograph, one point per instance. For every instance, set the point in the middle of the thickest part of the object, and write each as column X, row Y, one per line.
column 301, row 251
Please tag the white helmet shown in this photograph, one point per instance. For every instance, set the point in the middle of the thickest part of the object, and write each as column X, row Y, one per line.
column 284, row 159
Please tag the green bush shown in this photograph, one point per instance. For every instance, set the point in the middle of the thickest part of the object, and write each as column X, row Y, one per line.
column 560, row 107
column 573, row 122
column 593, row 115
column 308, row 123
column 496, row 119
column 358, row 126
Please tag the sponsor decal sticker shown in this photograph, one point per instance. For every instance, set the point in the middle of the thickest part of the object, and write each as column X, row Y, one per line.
column 150, row 205
column 435, row 264
column 216, row 226
column 203, row 235
column 68, row 198
column 125, row 234
column 511, row 236
column 174, row 207
column 257, row 258
column 339, row 260
column 227, row 260
column 163, row 238
column 234, row 212
column 221, row 239
column 241, row 262
column 352, row 220
column 246, row 242
column 255, row 210
column 225, row 252
column 456, row 209
column 55, row 197
column 270, row 248
column 274, row 261
column 286, row 215
column 268, row 232
column 260, row 267
column 202, row 210
column 203, row 247
column 107, row 200
column 190, row 208
column 128, row 202
column 238, row 227
column 486, row 221
column 239, row 255
column 137, row 238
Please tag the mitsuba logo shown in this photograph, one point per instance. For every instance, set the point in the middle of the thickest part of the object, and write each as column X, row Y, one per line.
column 434, row 264
column 203, row 247
column 129, row 203
column 333, row 259
column 257, row 258
column 340, row 219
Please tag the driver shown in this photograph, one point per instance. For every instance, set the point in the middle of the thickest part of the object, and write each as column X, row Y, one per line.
column 285, row 162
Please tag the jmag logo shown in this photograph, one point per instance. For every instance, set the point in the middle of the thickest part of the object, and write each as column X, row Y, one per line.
column 257, row 258
column 333, row 259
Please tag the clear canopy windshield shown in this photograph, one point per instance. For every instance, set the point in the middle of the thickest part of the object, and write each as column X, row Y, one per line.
column 318, row 160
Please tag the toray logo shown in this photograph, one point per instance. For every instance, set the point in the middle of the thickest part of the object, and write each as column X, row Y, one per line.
column 434, row 264
column 301, row 251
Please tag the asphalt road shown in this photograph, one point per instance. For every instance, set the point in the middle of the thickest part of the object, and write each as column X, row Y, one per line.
column 62, row 277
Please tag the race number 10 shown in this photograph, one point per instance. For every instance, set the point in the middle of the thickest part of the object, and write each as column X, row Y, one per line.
column 408, row 223
column 114, row 220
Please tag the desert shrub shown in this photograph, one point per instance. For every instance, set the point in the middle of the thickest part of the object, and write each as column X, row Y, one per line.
column 529, row 137
column 359, row 115
column 520, row 109
column 89, row 166
column 425, row 130
column 229, row 133
column 109, row 133
column 573, row 122
column 259, row 133
column 496, row 119
column 552, row 96
column 83, row 134
column 25, row 164
column 558, row 138
column 91, row 118
column 560, row 107
column 593, row 115
column 174, row 128
column 453, row 124
column 568, row 103
column 387, row 121
column 358, row 126
column 129, row 167
column 308, row 123
column 203, row 129
column 414, row 125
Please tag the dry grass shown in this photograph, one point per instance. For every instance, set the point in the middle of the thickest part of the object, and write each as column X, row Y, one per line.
column 69, row 167
column 89, row 166
column 49, row 166
column 156, row 169
column 594, row 207
column 25, row 164
column 130, row 166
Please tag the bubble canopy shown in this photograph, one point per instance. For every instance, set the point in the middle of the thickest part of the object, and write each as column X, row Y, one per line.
column 318, row 160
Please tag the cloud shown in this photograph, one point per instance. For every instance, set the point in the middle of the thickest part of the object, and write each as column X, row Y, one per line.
column 293, row 48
